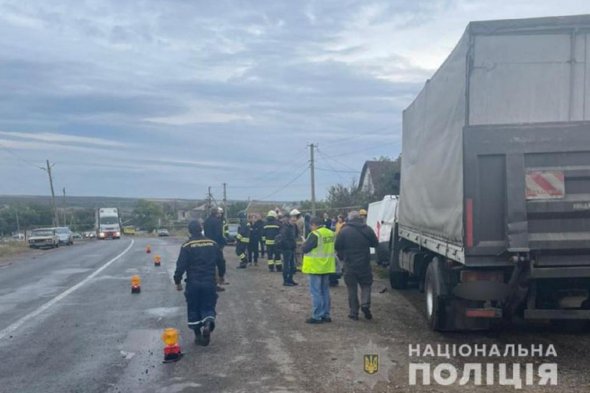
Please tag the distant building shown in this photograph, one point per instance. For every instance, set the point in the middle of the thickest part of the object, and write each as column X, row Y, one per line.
column 376, row 173
column 261, row 208
column 184, row 215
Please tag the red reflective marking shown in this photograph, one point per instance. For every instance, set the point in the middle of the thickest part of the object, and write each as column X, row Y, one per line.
column 544, row 183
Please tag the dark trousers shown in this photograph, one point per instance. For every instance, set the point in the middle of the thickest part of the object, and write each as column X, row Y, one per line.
column 353, row 281
column 253, row 251
column 273, row 255
column 288, row 265
column 200, row 302
column 241, row 249
column 262, row 248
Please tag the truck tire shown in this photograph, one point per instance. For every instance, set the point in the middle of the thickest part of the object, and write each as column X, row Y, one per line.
column 435, row 305
column 398, row 280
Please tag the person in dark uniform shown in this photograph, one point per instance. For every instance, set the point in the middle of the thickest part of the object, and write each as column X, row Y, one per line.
column 255, row 236
column 215, row 228
column 243, row 240
column 200, row 259
column 259, row 227
column 269, row 233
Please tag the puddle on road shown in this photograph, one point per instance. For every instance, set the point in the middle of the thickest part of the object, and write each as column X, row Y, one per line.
column 180, row 387
column 164, row 312
column 141, row 340
column 72, row 270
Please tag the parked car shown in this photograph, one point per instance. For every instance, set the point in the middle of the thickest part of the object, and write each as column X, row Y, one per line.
column 65, row 235
column 89, row 235
column 163, row 232
column 18, row 236
column 44, row 237
column 232, row 233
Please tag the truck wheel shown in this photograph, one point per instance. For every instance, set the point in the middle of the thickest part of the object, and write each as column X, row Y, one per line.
column 398, row 279
column 435, row 306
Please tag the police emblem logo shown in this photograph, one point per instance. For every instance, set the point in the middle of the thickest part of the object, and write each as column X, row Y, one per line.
column 371, row 363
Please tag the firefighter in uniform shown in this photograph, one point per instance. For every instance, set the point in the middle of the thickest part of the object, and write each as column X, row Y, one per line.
column 199, row 259
column 269, row 233
column 243, row 239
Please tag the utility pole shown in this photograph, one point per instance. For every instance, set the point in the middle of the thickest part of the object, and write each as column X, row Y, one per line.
column 54, row 206
column 312, row 147
column 225, row 198
column 64, row 206
column 17, row 223
column 209, row 197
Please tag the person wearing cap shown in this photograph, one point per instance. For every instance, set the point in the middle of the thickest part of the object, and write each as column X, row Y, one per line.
column 353, row 245
column 327, row 221
column 319, row 261
column 200, row 259
column 363, row 215
column 300, row 225
column 269, row 233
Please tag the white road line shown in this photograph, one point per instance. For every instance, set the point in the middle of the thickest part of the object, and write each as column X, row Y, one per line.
column 16, row 325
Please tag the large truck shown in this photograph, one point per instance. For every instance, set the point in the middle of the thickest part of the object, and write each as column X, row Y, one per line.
column 494, row 212
column 108, row 223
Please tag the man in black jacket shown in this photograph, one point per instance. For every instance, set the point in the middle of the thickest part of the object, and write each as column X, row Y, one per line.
column 287, row 242
column 199, row 258
column 214, row 227
column 353, row 245
column 258, row 226
column 255, row 236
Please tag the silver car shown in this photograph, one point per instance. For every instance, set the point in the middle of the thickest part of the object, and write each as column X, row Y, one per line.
column 43, row 237
column 65, row 235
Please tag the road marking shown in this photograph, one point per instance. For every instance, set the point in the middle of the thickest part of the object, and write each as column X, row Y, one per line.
column 12, row 328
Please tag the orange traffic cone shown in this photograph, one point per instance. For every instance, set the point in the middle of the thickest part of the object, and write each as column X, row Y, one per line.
column 135, row 284
column 157, row 260
column 172, row 351
column 148, row 249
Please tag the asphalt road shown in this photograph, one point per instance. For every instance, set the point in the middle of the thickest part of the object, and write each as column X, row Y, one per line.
column 68, row 323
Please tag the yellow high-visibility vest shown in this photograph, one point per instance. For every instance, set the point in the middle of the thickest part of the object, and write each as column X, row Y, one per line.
column 322, row 259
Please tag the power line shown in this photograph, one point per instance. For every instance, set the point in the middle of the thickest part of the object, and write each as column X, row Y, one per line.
column 286, row 185
column 336, row 170
column 339, row 163
column 6, row 148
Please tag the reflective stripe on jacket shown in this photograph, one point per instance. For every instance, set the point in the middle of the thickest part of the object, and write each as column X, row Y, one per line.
column 321, row 259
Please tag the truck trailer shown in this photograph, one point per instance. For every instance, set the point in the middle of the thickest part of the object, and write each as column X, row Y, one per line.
column 494, row 213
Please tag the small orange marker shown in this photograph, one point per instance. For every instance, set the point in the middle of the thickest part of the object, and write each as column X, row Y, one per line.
column 172, row 351
column 135, row 284
column 157, row 260
column 148, row 249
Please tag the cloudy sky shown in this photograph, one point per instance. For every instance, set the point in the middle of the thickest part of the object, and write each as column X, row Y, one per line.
column 164, row 98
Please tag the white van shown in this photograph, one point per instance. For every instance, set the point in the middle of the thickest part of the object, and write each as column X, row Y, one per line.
column 381, row 217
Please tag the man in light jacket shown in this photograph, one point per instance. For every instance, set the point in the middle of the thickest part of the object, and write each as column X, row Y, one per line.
column 319, row 262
